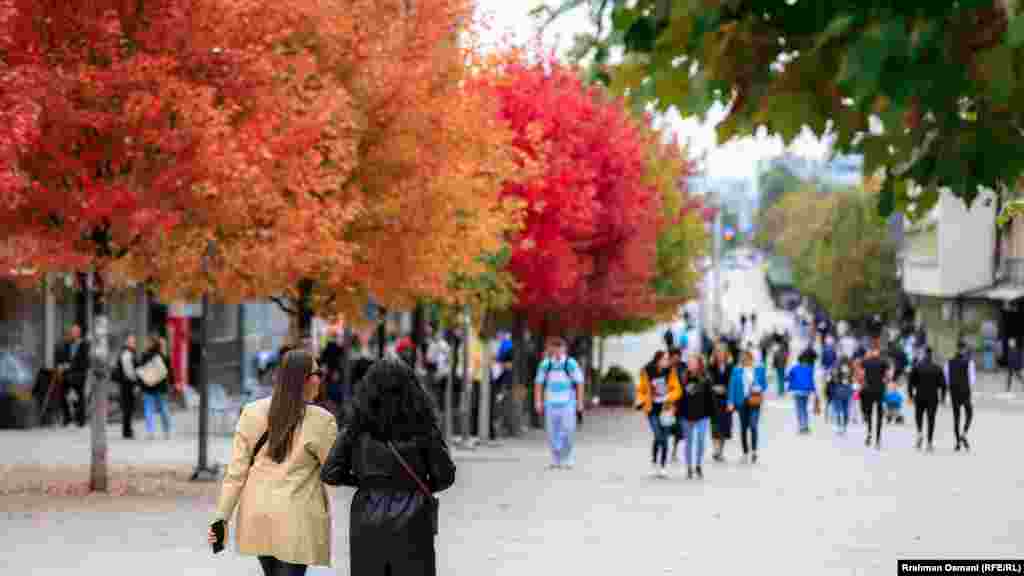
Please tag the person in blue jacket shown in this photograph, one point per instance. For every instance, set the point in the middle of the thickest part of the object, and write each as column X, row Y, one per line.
column 747, row 388
column 801, row 386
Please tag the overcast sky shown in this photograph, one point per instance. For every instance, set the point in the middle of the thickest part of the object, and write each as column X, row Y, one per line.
column 736, row 160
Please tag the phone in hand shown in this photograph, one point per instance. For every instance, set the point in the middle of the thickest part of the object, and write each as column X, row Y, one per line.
column 218, row 532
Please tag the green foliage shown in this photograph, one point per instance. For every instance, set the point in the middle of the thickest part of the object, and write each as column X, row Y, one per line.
column 494, row 289
column 943, row 76
column 773, row 184
column 839, row 249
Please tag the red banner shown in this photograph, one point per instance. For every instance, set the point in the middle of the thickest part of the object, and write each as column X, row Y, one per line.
column 179, row 335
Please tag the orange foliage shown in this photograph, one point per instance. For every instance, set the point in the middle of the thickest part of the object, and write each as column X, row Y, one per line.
column 359, row 162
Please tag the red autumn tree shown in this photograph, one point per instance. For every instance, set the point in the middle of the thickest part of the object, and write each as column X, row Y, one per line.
column 587, row 248
column 109, row 110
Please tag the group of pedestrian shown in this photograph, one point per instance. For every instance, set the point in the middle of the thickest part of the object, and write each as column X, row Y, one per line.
column 287, row 449
column 146, row 374
column 686, row 396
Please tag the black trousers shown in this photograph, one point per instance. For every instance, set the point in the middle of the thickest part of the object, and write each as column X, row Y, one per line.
column 923, row 410
column 76, row 382
column 968, row 408
column 274, row 567
column 127, row 400
column 872, row 403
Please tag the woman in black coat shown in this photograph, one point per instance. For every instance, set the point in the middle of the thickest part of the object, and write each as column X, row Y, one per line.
column 392, row 451
column 720, row 370
column 698, row 408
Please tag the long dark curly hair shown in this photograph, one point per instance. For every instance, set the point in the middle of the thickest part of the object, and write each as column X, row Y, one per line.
column 390, row 403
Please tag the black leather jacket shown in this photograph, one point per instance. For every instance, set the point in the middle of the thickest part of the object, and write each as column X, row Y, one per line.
column 391, row 529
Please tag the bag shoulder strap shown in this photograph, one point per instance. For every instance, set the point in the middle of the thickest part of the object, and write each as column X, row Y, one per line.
column 412, row 473
column 258, row 447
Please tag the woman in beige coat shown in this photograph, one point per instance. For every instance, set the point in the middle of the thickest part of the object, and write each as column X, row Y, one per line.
column 283, row 514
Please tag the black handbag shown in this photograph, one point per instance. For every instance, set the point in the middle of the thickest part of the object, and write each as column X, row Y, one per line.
column 432, row 502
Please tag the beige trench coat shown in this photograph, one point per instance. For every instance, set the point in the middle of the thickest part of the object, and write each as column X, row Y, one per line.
column 282, row 508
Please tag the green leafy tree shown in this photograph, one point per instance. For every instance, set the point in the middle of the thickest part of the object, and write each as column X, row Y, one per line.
column 839, row 249
column 943, row 77
column 773, row 184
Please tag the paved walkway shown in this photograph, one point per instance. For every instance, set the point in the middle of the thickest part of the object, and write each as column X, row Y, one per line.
column 814, row 505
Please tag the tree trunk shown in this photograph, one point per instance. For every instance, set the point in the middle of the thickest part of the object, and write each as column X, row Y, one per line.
column 304, row 316
column 514, row 412
column 97, row 328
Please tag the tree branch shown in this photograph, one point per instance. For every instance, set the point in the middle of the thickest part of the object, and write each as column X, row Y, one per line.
column 282, row 303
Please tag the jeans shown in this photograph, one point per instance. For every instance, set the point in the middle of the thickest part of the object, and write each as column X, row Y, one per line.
column 696, row 432
column 749, row 419
column 872, row 403
column 968, row 408
column 659, row 450
column 127, row 400
column 802, row 417
column 922, row 411
column 274, row 567
column 156, row 401
column 841, row 408
column 560, row 421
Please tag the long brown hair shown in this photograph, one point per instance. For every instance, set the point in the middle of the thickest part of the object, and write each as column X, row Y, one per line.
column 288, row 404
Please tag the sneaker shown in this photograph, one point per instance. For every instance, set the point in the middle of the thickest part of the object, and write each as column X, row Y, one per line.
column 931, row 448
column 655, row 470
column 753, row 458
column 746, row 458
column 700, row 473
column 689, row 473
column 967, row 447
column 867, row 441
column 554, row 466
column 918, row 442
column 957, row 447
column 662, row 472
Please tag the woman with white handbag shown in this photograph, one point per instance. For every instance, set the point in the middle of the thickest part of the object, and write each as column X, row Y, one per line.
column 656, row 394
column 154, row 376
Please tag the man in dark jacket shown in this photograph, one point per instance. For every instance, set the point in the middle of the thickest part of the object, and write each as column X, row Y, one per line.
column 72, row 360
column 924, row 385
column 960, row 374
column 124, row 376
column 876, row 374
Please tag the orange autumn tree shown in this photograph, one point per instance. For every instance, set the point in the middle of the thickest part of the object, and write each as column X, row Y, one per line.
column 372, row 171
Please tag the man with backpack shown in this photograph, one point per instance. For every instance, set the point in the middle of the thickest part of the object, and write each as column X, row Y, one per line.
column 558, row 396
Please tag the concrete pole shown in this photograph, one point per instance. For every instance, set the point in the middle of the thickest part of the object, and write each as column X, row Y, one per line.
column 717, row 320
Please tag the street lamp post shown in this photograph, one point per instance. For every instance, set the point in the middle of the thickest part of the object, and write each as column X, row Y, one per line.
column 204, row 471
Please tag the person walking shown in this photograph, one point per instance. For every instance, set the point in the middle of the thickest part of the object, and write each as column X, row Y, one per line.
column 393, row 453
column 558, row 395
column 72, row 359
column 780, row 361
column 677, row 431
column 1014, row 364
column 658, row 389
column 925, row 385
column 746, row 393
column 127, row 381
column 876, row 374
column 801, row 386
column 840, row 391
column 698, row 406
column 720, row 370
column 272, row 485
column 155, row 376
column 960, row 374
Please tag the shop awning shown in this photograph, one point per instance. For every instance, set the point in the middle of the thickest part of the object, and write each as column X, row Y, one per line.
column 1002, row 292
